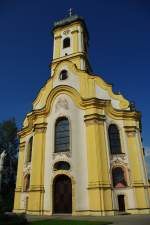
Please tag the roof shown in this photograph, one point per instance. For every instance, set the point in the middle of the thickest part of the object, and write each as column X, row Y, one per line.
column 69, row 20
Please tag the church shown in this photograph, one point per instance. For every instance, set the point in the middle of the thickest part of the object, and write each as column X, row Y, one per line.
column 80, row 148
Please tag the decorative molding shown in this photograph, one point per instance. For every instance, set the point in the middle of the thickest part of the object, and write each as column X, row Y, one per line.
column 62, row 103
column 94, row 118
column 37, row 188
column 131, row 130
column 40, row 127
column 27, row 169
column 118, row 163
column 61, row 155
column 80, row 102
column 18, row 189
column 99, row 184
column 74, row 31
column 57, row 37
column 66, row 32
column 22, row 146
column 95, row 102
column 138, row 183
column 119, row 157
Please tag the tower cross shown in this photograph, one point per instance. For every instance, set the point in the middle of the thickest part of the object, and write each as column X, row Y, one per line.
column 70, row 11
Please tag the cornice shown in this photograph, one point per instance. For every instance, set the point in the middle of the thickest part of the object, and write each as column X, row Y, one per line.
column 21, row 146
column 94, row 118
column 36, row 188
column 124, row 103
column 82, row 103
column 122, row 114
column 131, row 130
column 40, row 127
column 67, row 58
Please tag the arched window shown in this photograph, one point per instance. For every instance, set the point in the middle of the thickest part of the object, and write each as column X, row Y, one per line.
column 118, row 177
column 29, row 150
column 26, row 185
column 62, row 135
column 61, row 165
column 63, row 75
column 66, row 42
column 114, row 139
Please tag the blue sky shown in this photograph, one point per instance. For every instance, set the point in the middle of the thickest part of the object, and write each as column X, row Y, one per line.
column 119, row 50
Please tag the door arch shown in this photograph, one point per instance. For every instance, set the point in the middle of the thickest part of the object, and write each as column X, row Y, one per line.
column 62, row 194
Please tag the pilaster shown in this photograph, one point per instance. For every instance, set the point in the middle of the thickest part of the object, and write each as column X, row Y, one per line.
column 36, row 193
column 98, row 173
column 19, row 181
column 75, row 41
column 57, row 46
column 136, row 169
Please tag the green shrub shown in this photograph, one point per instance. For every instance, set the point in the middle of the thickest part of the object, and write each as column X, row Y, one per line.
column 12, row 219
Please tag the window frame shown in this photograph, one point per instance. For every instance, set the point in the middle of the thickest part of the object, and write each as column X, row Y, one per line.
column 29, row 150
column 125, row 182
column 65, row 44
column 61, row 75
column 26, row 179
column 58, row 164
column 111, row 145
column 69, row 135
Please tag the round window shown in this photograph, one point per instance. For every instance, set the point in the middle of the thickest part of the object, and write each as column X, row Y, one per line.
column 63, row 75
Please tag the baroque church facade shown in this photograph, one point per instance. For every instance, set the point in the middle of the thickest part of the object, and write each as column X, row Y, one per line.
column 80, row 148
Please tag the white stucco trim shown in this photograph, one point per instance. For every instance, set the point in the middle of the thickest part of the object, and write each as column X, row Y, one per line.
column 72, row 80
column 77, row 158
column 69, row 50
column 103, row 94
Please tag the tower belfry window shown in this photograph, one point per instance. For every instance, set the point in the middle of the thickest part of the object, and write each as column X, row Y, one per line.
column 66, row 42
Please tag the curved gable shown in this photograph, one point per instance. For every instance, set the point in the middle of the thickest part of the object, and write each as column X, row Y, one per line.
column 87, row 85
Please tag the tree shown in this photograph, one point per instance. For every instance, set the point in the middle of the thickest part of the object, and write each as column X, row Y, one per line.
column 9, row 144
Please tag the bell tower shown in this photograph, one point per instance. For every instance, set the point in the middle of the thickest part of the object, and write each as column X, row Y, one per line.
column 71, row 42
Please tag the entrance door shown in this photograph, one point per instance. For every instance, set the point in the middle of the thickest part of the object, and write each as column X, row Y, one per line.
column 121, row 203
column 62, row 195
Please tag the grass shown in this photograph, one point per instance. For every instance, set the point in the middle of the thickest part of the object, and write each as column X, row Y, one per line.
column 68, row 222
column 21, row 220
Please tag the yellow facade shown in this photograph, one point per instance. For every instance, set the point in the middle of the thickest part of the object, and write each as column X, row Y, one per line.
column 94, row 114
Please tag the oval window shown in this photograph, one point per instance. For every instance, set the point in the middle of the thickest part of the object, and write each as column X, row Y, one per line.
column 62, row 166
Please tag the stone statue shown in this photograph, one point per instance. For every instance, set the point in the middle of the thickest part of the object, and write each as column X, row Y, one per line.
column 2, row 157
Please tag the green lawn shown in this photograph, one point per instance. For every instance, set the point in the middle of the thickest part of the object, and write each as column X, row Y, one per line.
column 68, row 222
column 21, row 220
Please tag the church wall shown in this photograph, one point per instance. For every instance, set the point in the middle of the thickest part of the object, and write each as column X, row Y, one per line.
column 26, row 170
column 90, row 106
column 103, row 94
column 69, row 50
column 19, row 184
column 130, row 201
column 76, row 158
column 123, row 160
column 72, row 80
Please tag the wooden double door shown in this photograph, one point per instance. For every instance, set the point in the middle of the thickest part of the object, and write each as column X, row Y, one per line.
column 62, row 195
